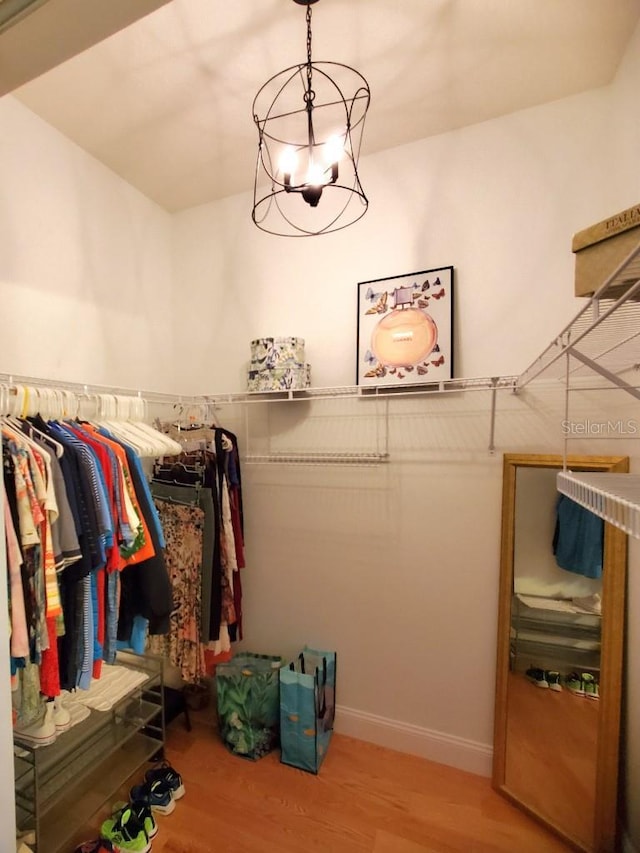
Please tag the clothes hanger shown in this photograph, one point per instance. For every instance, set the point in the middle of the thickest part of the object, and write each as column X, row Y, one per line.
column 115, row 413
column 16, row 423
column 107, row 405
column 50, row 407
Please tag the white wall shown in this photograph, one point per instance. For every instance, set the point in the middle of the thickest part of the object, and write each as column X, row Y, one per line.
column 85, row 265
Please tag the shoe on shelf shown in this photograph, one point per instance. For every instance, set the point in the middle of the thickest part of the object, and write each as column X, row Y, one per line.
column 156, row 795
column 41, row 733
column 166, row 773
column 126, row 833
column 61, row 716
column 574, row 683
column 590, row 685
column 553, row 680
column 537, row 676
column 144, row 814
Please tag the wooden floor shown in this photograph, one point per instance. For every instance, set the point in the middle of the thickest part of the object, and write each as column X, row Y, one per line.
column 366, row 799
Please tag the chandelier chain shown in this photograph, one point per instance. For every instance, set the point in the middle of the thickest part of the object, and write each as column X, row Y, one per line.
column 308, row 36
column 309, row 50
column 309, row 94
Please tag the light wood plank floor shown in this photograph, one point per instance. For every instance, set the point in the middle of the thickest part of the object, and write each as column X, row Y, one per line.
column 366, row 799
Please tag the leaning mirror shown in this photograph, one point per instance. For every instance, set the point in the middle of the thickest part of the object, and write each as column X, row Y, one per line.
column 560, row 645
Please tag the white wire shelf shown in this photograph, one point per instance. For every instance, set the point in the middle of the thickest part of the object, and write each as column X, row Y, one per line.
column 367, row 392
column 612, row 497
column 356, row 391
column 604, row 337
column 602, row 340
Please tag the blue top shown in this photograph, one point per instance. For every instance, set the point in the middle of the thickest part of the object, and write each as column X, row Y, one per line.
column 578, row 540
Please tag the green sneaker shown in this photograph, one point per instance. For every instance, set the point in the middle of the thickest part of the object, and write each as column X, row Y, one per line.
column 590, row 684
column 126, row 833
column 574, row 683
column 142, row 812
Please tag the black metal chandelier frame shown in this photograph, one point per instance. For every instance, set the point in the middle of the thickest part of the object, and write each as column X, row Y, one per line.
column 272, row 185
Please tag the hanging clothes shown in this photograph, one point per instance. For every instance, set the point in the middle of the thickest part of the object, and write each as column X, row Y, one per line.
column 578, row 539
column 207, row 474
column 183, row 526
column 202, row 497
column 85, row 551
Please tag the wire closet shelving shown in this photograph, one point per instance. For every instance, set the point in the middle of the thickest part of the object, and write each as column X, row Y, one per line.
column 603, row 338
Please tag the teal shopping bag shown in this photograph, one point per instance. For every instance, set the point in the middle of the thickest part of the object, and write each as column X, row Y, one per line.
column 248, row 703
column 307, row 708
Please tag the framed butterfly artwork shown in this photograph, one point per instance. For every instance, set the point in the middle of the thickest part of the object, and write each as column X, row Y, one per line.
column 405, row 329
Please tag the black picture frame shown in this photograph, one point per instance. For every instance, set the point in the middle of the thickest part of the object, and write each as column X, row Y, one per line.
column 405, row 329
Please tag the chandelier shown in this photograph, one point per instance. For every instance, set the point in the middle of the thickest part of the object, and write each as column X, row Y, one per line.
column 310, row 132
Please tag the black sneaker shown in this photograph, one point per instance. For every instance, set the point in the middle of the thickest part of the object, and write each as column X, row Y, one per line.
column 553, row 680
column 537, row 676
column 157, row 795
column 165, row 773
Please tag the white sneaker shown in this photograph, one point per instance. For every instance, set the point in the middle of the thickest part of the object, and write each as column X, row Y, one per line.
column 41, row 733
column 61, row 716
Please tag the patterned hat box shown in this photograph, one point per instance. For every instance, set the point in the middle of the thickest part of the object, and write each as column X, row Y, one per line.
column 279, row 378
column 267, row 353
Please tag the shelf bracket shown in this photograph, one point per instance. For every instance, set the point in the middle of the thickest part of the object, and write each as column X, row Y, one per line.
column 492, row 427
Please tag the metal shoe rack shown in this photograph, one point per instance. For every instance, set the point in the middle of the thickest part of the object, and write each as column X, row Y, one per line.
column 59, row 788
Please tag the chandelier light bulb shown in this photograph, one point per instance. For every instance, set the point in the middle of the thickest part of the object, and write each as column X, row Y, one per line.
column 333, row 150
column 288, row 161
column 315, row 175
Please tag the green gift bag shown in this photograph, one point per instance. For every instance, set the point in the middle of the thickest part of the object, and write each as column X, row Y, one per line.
column 248, row 703
column 307, row 708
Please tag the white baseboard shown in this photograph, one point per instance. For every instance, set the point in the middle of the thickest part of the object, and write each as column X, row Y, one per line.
column 405, row 737
column 627, row 844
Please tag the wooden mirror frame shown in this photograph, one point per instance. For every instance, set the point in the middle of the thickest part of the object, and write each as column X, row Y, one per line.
column 611, row 655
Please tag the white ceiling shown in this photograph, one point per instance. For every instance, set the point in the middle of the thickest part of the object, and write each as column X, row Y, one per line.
column 166, row 103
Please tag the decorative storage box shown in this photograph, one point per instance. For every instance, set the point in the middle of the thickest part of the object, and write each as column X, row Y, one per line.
column 279, row 378
column 276, row 352
column 277, row 364
column 600, row 248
